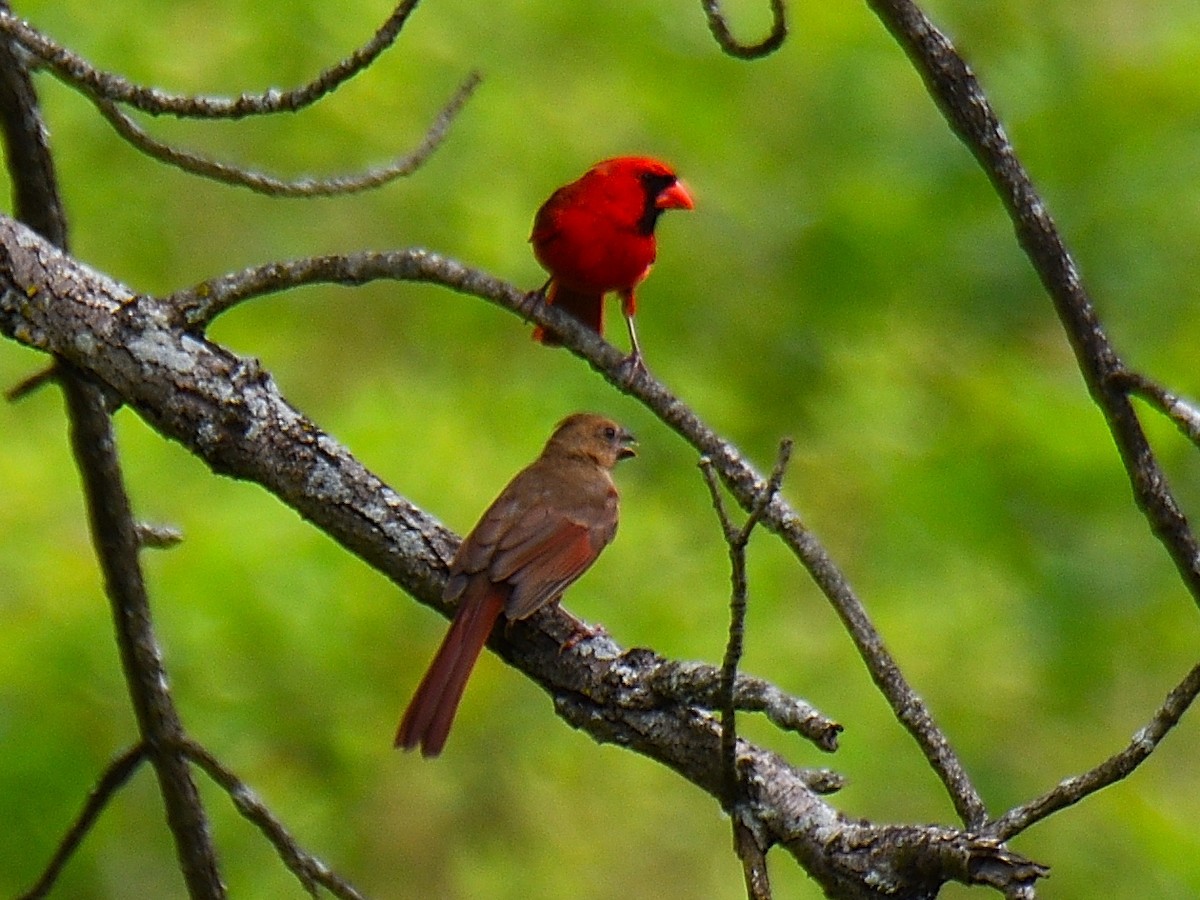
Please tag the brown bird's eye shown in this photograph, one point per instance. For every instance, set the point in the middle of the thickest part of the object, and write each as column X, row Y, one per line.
column 610, row 433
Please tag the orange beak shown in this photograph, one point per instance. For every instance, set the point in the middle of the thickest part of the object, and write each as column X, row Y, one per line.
column 674, row 197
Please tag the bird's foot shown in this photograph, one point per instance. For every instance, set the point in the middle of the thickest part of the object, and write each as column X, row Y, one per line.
column 632, row 367
column 583, row 632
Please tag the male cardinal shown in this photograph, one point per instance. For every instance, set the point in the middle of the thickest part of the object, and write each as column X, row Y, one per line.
column 596, row 235
column 543, row 531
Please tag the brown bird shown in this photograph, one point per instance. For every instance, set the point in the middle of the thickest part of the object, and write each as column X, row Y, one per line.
column 544, row 530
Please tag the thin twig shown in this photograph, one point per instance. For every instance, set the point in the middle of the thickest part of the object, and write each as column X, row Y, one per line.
column 758, row 886
column 31, row 383
column 118, row 772
column 78, row 72
column 1184, row 414
column 271, row 185
column 737, row 539
column 1072, row 790
column 719, row 27
column 311, row 872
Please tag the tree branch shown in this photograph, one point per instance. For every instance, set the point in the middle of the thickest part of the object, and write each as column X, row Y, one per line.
column 752, row 855
column 1185, row 415
column 229, row 413
column 116, row 540
column 199, row 305
column 114, row 533
column 958, row 94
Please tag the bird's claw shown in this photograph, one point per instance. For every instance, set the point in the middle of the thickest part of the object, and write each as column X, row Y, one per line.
column 583, row 632
column 631, row 367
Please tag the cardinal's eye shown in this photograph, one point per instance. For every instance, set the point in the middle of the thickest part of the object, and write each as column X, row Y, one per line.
column 610, row 433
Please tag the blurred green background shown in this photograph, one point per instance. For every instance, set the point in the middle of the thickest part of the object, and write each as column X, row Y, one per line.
column 847, row 278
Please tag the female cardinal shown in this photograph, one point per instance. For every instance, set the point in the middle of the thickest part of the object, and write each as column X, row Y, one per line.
column 543, row 531
column 596, row 235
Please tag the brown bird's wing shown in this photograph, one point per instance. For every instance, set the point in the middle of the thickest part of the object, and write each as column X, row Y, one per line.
column 539, row 536
column 541, row 561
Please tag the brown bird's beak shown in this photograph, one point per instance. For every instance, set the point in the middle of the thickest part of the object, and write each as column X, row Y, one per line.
column 627, row 444
column 674, row 197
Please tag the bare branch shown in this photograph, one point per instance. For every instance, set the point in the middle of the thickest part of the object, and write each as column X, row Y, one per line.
column 114, row 534
column 72, row 69
column 1112, row 770
column 752, row 855
column 30, row 164
column 754, row 862
column 737, row 539
column 311, row 872
column 31, row 383
column 301, row 187
column 196, row 307
column 719, row 27
column 118, row 772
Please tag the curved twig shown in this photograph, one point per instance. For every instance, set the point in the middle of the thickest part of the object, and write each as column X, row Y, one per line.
column 719, row 27
column 301, row 187
column 74, row 70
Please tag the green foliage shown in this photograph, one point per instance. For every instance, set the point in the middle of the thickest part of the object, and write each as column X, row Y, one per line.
column 847, row 278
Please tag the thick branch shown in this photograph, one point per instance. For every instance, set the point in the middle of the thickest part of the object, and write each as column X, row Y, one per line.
column 229, row 413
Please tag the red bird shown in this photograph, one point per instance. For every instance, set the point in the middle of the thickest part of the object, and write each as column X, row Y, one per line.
column 596, row 235
column 543, row 531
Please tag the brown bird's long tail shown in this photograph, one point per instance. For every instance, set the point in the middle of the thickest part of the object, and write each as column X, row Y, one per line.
column 588, row 308
column 431, row 711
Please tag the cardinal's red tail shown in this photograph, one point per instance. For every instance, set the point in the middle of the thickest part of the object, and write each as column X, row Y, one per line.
column 588, row 308
column 431, row 711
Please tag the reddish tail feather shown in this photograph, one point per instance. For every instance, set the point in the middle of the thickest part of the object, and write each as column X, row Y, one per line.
column 588, row 308
column 430, row 713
